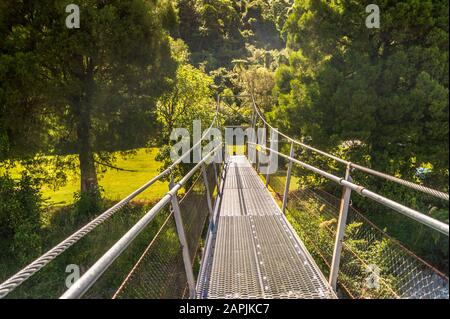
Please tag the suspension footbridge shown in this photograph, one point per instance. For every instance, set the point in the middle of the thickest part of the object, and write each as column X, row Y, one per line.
column 256, row 252
column 228, row 230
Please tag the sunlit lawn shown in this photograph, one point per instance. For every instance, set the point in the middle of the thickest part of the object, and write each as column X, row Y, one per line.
column 117, row 184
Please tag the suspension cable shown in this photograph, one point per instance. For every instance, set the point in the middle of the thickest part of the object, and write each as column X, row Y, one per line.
column 17, row 279
column 101, row 265
column 391, row 178
column 409, row 212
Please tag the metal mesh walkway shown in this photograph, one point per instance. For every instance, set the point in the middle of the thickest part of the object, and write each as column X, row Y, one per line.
column 253, row 251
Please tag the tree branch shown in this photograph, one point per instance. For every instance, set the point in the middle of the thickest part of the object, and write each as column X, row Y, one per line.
column 114, row 167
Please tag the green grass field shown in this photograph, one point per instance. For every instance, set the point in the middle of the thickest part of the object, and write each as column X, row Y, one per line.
column 117, row 184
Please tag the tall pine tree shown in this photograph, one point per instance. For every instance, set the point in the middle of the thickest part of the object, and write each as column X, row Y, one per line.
column 85, row 91
column 386, row 88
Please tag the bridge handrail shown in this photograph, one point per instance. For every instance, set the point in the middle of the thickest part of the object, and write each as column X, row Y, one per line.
column 79, row 288
column 391, row 178
column 17, row 279
column 409, row 212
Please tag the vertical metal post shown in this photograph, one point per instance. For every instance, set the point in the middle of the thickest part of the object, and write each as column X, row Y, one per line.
column 184, row 244
column 253, row 116
column 257, row 150
column 269, row 153
column 216, row 176
column 218, row 103
column 343, row 212
column 208, row 193
column 288, row 179
column 253, row 160
column 225, row 151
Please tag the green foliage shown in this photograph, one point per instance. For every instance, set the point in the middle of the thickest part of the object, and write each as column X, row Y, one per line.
column 89, row 203
column 386, row 88
column 209, row 27
column 82, row 91
column 377, row 97
column 49, row 282
column 366, row 252
column 217, row 31
column 283, row 79
column 190, row 99
column 20, row 210
column 260, row 23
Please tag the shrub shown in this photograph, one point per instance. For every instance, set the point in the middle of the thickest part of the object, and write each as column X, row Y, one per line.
column 88, row 204
column 20, row 212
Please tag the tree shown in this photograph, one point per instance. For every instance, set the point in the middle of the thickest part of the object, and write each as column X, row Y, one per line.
column 22, row 124
column 218, row 31
column 211, row 30
column 257, row 81
column 262, row 22
column 378, row 97
column 96, row 85
column 20, row 218
column 386, row 89
column 191, row 98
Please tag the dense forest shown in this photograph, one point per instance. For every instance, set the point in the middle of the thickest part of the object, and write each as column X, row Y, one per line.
column 78, row 100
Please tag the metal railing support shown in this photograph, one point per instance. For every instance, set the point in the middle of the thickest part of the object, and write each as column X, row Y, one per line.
column 184, row 244
column 394, row 179
column 343, row 213
column 79, row 288
column 288, row 180
column 216, row 176
column 364, row 192
column 17, row 279
column 269, row 154
column 259, row 139
column 257, row 152
column 266, row 152
column 82, row 285
column 208, row 192
column 267, row 173
column 254, row 158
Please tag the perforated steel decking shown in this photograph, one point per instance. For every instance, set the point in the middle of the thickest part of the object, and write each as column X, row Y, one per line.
column 253, row 251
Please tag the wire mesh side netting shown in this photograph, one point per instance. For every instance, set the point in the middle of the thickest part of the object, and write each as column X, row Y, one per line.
column 195, row 211
column 213, row 171
column 277, row 180
column 160, row 272
column 54, row 278
column 373, row 264
column 376, row 261
column 428, row 244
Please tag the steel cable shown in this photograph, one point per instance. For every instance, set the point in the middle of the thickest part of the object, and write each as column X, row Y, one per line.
column 14, row 281
column 402, row 273
column 394, row 179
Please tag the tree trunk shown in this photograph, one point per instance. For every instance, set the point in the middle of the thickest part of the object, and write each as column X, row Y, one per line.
column 89, row 180
column 86, row 156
